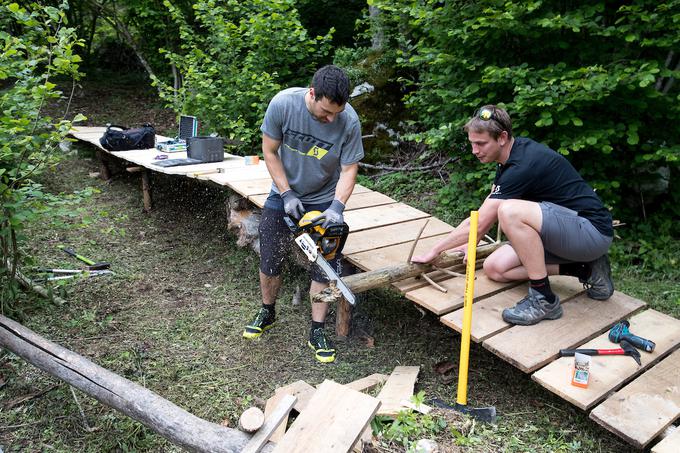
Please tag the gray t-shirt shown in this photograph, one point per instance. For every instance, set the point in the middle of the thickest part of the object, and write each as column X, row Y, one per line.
column 312, row 152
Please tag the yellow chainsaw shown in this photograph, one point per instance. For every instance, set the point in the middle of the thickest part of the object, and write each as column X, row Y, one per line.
column 321, row 244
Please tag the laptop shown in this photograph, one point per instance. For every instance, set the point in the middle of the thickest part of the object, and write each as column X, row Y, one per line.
column 188, row 127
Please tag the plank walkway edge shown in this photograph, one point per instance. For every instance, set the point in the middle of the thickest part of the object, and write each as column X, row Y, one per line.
column 644, row 408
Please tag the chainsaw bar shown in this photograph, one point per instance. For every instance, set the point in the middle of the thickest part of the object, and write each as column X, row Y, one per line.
column 310, row 249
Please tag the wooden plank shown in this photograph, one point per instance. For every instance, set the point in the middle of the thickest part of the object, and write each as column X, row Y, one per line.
column 300, row 390
column 271, row 422
column 644, row 408
column 400, row 233
column 440, row 303
column 531, row 347
column 399, row 386
column 367, row 200
column 333, row 421
column 362, row 219
column 388, row 256
column 238, row 171
column 367, row 383
column 358, row 188
column 252, row 187
column 670, row 444
column 258, row 200
column 365, row 439
column 609, row 373
column 486, row 313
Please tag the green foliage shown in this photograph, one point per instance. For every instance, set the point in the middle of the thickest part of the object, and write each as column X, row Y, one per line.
column 39, row 48
column 409, row 426
column 235, row 57
column 592, row 79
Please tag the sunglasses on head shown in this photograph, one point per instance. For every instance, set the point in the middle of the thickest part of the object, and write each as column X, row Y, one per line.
column 487, row 114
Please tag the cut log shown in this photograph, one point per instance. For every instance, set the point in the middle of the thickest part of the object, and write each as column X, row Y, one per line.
column 251, row 420
column 272, row 422
column 133, row 400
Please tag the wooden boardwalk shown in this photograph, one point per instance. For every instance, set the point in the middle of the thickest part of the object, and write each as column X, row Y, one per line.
column 637, row 403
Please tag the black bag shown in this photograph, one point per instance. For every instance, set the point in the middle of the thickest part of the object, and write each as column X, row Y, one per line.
column 119, row 138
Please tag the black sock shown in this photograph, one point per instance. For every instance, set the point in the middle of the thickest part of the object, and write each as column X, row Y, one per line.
column 270, row 308
column 580, row 270
column 317, row 325
column 543, row 286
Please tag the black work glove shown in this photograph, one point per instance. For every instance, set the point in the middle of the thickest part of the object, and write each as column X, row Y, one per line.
column 331, row 215
column 292, row 204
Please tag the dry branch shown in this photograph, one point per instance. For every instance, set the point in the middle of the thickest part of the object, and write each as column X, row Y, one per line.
column 381, row 277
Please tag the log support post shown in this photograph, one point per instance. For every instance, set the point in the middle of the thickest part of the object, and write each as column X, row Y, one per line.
column 146, row 189
column 343, row 318
column 104, row 170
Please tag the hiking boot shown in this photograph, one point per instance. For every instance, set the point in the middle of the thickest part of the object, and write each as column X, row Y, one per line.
column 532, row 309
column 599, row 285
column 323, row 347
column 264, row 320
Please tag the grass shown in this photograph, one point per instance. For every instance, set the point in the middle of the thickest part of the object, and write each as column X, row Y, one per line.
column 172, row 316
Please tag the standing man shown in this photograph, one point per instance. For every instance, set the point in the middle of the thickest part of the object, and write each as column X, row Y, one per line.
column 555, row 222
column 311, row 141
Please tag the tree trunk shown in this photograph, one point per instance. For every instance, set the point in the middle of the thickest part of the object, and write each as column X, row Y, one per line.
column 133, row 400
column 378, row 38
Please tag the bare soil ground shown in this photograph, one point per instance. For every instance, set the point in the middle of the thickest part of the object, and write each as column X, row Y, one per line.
column 172, row 316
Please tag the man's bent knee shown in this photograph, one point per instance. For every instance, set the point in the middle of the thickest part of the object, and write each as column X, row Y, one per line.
column 511, row 212
column 492, row 271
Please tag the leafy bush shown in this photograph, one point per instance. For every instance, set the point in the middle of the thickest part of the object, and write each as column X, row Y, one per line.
column 235, row 58
column 39, row 48
column 592, row 79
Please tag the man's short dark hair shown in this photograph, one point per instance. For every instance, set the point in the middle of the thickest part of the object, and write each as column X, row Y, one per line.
column 332, row 83
column 491, row 119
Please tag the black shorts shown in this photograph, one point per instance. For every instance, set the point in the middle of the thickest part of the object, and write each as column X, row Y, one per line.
column 276, row 241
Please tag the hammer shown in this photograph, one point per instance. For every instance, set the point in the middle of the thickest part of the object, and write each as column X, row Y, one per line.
column 92, row 266
column 625, row 349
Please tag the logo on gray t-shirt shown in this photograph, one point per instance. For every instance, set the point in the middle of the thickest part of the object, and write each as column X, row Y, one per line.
column 312, row 152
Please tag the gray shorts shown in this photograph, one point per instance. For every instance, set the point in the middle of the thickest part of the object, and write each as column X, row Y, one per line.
column 569, row 238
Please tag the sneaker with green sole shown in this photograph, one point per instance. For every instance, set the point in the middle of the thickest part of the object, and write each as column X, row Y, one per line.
column 264, row 320
column 324, row 350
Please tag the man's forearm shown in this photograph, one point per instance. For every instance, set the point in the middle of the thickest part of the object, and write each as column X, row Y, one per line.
column 346, row 183
column 456, row 238
column 273, row 162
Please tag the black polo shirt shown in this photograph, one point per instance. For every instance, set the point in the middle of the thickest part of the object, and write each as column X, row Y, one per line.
column 535, row 172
